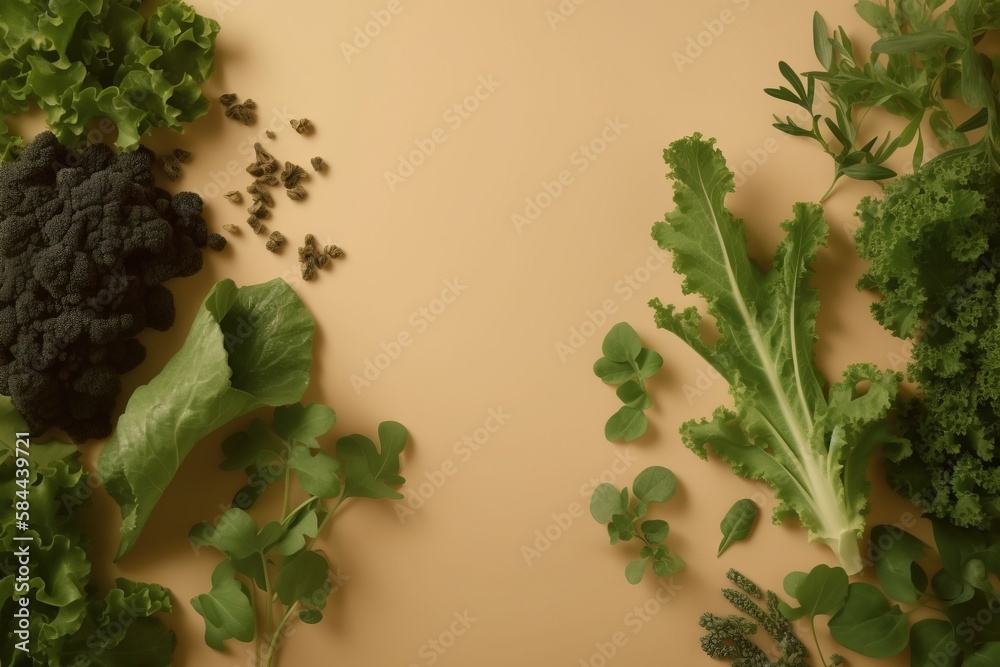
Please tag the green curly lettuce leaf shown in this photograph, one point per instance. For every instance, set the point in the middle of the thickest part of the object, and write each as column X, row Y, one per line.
column 933, row 241
column 811, row 445
column 248, row 347
column 81, row 60
column 68, row 624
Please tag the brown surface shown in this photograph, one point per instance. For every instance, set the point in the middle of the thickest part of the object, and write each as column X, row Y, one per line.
column 524, row 291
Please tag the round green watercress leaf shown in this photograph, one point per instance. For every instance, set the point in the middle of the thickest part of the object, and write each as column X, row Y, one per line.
column 635, row 570
column 646, row 552
column 304, row 524
column 894, row 551
column 627, row 424
column 655, row 530
column 300, row 576
column 310, row 616
column 612, row 372
column 868, row 625
column 605, row 502
column 270, row 534
column 634, row 396
column 823, row 591
column 933, row 644
column 621, row 343
column 792, row 582
column 737, row 523
column 623, row 526
column 949, row 590
column 640, row 510
column 648, row 362
column 668, row 564
column 655, row 484
column 987, row 655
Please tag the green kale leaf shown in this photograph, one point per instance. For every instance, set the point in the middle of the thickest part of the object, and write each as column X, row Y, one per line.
column 810, row 445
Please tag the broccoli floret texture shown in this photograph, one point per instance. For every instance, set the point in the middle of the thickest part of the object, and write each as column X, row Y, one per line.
column 86, row 239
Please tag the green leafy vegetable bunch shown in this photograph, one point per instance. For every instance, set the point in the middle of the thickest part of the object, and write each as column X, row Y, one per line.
column 274, row 570
column 80, row 60
column 69, row 623
column 626, row 364
column 622, row 511
column 933, row 243
column 929, row 53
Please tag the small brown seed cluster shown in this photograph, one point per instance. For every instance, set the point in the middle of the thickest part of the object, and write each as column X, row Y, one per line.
column 171, row 163
column 301, row 125
column 275, row 242
column 312, row 258
column 243, row 113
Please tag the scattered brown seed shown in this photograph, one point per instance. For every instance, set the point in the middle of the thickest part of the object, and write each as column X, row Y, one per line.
column 234, row 196
column 182, row 155
column 292, row 174
column 296, row 193
column 308, row 272
column 275, row 242
column 250, row 104
column 267, row 179
column 255, row 169
column 333, row 251
column 317, row 163
column 232, row 229
column 256, row 225
column 243, row 113
column 259, row 192
column 320, row 261
column 270, row 167
column 263, row 156
column 258, row 209
column 301, row 125
column 228, row 99
column 269, row 134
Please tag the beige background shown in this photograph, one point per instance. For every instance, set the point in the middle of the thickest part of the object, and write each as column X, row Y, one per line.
column 556, row 86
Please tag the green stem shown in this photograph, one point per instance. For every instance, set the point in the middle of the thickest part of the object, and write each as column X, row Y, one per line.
column 253, row 606
column 272, row 648
column 288, row 490
column 829, row 189
column 268, row 595
column 819, row 649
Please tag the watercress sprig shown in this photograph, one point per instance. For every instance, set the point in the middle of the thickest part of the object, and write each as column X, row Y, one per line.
column 621, row 511
column 274, row 571
column 626, row 364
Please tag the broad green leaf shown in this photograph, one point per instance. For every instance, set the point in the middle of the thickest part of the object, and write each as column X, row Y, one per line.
column 208, row 383
column 655, row 484
column 303, row 423
column 317, row 471
column 300, row 576
column 737, row 523
column 893, row 552
column 253, row 447
column 605, row 502
column 634, row 396
column 792, row 582
column 986, row 655
column 621, row 343
column 226, row 609
column 823, row 591
column 304, row 524
column 235, row 534
column 627, row 424
column 956, row 545
column 368, row 471
column 648, row 362
column 612, row 372
column 868, row 625
column 655, row 530
column 635, row 570
column 950, row 589
column 933, row 644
